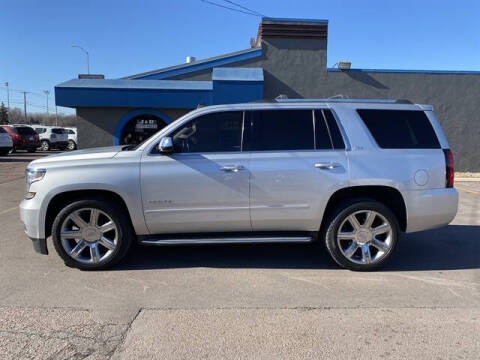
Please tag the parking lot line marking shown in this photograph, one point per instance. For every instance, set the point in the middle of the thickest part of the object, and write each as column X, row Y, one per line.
column 8, row 210
column 468, row 190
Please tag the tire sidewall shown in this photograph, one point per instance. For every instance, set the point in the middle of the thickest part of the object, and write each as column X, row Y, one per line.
column 118, row 217
column 45, row 148
column 341, row 214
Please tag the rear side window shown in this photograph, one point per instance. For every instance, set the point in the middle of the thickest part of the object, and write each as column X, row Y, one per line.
column 2, row 131
column 280, row 130
column 58, row 131
column 400, row 129
column 332, row 131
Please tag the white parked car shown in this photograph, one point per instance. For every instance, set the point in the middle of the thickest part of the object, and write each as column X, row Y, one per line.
column 51, row 137
column 351, row 174
column 6, row 143
column 72, row 138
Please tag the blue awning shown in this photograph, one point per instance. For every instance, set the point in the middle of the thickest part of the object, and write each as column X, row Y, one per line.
column 229, row 85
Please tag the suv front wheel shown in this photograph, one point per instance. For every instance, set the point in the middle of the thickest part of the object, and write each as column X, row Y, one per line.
column 92, row 234
column 362, row 235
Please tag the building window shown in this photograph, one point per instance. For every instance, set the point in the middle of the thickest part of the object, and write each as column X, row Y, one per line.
column 140, row 128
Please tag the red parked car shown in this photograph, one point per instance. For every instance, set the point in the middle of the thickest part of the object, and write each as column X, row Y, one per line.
column 23, row 137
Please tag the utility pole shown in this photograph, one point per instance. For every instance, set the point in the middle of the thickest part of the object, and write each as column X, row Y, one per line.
column 8, row 95
column 25, row 105
column 46, row 92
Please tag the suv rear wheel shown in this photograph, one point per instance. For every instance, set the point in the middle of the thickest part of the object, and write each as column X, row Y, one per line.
column 362, row 235
column 71, row 145
column 91, row 234
column 44, row 145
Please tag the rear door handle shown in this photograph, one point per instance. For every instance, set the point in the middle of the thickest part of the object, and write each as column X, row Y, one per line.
column 327, row 165
column 232, row 168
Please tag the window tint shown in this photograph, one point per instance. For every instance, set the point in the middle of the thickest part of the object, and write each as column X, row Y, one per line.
column 58, row 131
column 25, row 130
column 400, row 129
column 216, row 132
column 71, row 132
column 322, row 136
column 2, row 131
column 281, row 130
column 335, row 134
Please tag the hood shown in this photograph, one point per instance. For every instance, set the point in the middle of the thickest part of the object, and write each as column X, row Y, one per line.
column 87, row 154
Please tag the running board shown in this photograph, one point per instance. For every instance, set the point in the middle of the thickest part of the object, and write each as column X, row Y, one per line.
column 227, row 240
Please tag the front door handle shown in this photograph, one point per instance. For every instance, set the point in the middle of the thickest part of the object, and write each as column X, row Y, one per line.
column 327, row 165
column 232, row 168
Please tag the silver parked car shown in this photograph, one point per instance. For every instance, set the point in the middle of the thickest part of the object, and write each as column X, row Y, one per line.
column 353, row 174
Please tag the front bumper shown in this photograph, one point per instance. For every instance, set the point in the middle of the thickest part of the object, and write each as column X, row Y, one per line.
column 30, row 215
column 428, row 209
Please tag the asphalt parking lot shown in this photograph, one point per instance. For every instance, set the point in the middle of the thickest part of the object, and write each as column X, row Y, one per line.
column 242, row 302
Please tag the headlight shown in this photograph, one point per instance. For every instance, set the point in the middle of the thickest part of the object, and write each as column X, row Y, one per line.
column 32, row 176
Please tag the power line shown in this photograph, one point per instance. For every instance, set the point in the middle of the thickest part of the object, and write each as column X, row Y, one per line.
column 230, row 8
column 244, row 7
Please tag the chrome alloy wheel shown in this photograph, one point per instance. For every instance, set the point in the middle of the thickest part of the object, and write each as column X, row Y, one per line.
column 89, row 235
column 365, row 237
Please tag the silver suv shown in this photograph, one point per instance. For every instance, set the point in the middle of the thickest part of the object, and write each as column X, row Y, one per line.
column 352, row 174
column 51, row 137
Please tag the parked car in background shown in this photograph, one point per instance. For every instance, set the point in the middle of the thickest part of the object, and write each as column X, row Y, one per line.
column 23, row 137
column 72, row 138
column 351, row 174
column 51, row 137
column 6, row 143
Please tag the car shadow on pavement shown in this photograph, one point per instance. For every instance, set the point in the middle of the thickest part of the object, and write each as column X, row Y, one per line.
column 15, row 159
column 454, row 247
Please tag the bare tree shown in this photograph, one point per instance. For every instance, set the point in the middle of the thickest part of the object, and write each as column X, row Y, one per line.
column 16, row 116
column 3, row 114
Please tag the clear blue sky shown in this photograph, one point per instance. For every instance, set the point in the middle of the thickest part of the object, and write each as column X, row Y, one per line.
column 127, row 37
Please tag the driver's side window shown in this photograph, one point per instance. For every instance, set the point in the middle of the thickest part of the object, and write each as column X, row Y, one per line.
column 214, row 132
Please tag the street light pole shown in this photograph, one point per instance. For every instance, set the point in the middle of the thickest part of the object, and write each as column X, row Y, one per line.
column 8, row 95
column 88, row 56
column 25, row 105
column 46, row 92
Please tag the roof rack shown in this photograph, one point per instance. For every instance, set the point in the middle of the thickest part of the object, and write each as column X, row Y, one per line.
column 339, row 100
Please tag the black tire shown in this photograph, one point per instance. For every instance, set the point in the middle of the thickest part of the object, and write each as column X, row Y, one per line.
column 31, row 150
column 338, row 216
column 71, row 145
column 117, row 214
column 4, row 152
column 44, row 145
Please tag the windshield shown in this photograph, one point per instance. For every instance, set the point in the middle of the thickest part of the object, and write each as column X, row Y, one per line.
column 25, row 130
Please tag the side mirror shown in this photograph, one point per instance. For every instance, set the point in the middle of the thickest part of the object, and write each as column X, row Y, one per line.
column 165, row 146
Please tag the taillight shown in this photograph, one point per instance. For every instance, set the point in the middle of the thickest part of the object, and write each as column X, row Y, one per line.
column 450, row 174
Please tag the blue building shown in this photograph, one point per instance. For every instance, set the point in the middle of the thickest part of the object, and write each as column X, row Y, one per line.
column 288, row 57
